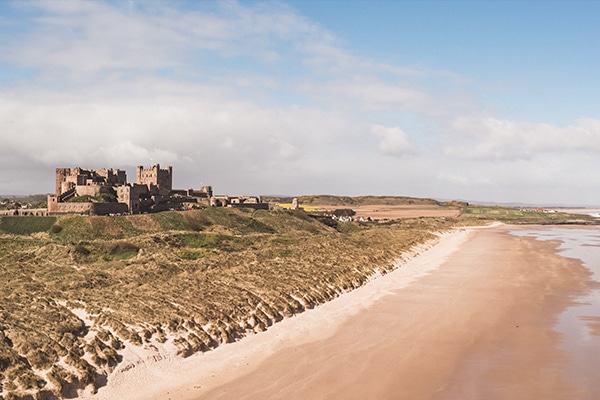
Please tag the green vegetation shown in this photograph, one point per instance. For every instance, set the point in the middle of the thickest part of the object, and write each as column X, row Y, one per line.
column 124, row 250
column 26, row 225
column 346, row 201
column 201, row 277
column 76, row 290
column 101, row 198
column 519, row 216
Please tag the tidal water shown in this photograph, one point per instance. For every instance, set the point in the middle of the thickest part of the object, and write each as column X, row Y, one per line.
column 580, row 323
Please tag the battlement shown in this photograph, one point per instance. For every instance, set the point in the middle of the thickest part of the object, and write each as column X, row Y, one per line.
column 163, row 178
column 67, row 179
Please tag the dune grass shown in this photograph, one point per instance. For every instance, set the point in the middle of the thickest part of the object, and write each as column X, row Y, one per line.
column 193, row 279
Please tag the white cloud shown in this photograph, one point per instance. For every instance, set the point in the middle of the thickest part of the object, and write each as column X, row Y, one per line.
column 254, row 97
column 393, row 141
column 494, row 139
column 86, row 38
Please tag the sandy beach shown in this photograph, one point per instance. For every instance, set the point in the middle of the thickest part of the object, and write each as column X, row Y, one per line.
column 471, row 317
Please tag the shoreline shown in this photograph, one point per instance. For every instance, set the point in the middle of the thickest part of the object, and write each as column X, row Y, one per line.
column 161, row 378
column 353, row 327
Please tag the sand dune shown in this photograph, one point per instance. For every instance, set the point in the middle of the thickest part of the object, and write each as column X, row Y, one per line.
column 471, row 317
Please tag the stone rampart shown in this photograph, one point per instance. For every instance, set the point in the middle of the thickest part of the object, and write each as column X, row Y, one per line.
column 38, row 212
column 54, row 207
column 92, row 190
column 108, row 208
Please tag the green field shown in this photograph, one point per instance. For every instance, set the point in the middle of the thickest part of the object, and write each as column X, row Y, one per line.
column 26, row 225
column 514, row 215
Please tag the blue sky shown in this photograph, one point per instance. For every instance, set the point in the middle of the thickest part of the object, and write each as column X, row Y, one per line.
column 476, row 100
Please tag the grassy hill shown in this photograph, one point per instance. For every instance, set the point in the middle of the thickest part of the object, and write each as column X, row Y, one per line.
column 346, row 201
column 77, row 291
column 482, row 214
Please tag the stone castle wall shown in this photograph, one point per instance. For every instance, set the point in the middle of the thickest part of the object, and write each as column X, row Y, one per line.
column 38, row 212
column 92, row 190
column 156, row 176
column 108, row 208
column 55, row 207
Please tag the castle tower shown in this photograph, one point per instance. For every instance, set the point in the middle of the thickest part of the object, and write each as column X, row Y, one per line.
column 61, row 176
column 208, row 190
column 163, row 178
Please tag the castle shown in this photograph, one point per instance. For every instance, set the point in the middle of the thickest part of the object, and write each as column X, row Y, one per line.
column 106, row 191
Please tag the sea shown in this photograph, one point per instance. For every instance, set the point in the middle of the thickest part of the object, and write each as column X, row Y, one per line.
column 579, row 324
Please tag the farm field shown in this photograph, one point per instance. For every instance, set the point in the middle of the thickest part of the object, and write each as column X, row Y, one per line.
column 391, row 212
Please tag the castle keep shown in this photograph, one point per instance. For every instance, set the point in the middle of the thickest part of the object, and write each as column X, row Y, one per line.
column 106, row 191
column 155, row 176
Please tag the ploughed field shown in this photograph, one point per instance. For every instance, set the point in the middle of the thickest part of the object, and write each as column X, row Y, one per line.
column 384, row 208
column 76, row 291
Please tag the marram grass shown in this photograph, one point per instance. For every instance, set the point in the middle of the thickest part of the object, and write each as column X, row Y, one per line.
column 192, row 280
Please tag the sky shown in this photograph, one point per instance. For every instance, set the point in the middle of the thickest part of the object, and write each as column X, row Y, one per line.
column 490, row 101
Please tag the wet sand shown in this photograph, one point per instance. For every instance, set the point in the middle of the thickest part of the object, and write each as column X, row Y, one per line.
column 479, row 326
column 471, row 318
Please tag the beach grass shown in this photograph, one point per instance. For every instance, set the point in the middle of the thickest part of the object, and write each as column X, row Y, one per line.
column 193, row 279
column 76, row 290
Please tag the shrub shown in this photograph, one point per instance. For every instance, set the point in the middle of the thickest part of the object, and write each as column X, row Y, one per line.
column 40, row 360
column 28, row 380
column 200, row 240
column 259, row 227
column 60, row 377
column 344, row 212
column 106, row 198
column 190, row 255
column 80, row 249
column 124, row 250
column 80, row 199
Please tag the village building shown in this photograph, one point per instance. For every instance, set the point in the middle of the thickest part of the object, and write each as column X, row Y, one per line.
column 254, row 202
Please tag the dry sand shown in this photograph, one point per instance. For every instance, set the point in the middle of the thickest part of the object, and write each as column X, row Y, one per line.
column 474, row 325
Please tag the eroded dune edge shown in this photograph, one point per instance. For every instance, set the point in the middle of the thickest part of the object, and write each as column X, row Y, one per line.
column 474, row 317
column 93, row 299
column 185, row 378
